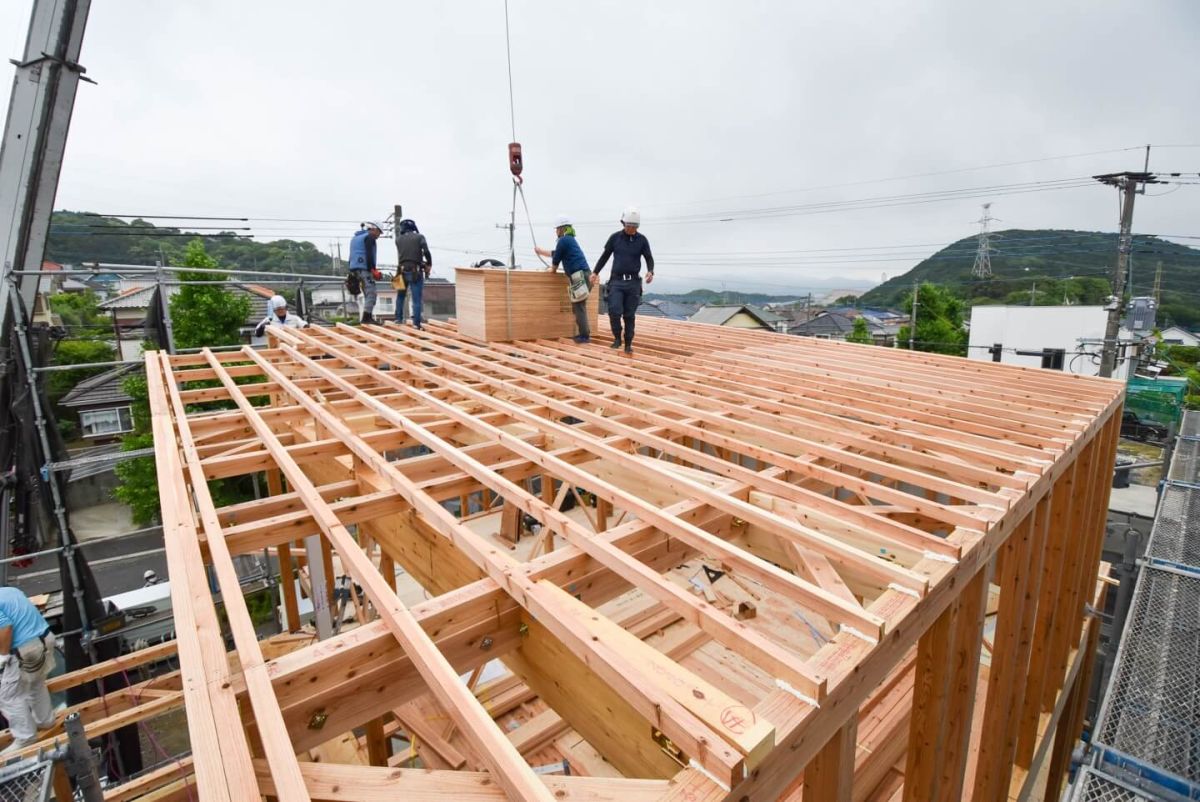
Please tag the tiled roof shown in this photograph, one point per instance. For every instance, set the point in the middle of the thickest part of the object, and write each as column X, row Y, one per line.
column 104, row 388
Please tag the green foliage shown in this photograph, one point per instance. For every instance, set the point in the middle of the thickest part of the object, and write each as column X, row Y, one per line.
column 208, row 314
column 148, row 243
column 80, row 310
column 860, row 333
column 1068, row 266
column 846, row 300
column 939, row 321
column 75, row 352
column 138, row 488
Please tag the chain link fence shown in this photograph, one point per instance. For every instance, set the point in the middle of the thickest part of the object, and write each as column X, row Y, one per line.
column 1093, row 787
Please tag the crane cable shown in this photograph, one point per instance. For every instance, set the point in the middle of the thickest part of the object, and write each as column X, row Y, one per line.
column 518, row 182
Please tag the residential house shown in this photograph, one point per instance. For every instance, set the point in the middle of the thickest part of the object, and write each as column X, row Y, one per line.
column 331, row 300
column 738, row 316
column 824, row 325
column 673, row 310
column 1175, row 335
column 101, row 405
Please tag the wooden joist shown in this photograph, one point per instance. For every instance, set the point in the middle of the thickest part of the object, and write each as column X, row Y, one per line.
column 855, row 497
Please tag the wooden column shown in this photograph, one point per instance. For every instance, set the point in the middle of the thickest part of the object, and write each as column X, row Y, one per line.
column 1013, row 571
column 928, row 727
column 968, row 646
column 830, row 775
column 287, row 579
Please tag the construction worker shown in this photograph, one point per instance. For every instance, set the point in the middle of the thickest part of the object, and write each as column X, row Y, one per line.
column 26, row 659
column 150, row 577
column 363, row 272
column 627, row 247
column 415, row 264
column 278, row 315
column 568, row 254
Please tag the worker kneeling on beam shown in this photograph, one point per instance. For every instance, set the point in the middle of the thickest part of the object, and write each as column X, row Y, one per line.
column 26, row 659
column 568, row 254
column 278, row 315
column 627, row 247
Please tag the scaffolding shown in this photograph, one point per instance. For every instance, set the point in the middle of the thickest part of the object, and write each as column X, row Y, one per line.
column 1148, row 731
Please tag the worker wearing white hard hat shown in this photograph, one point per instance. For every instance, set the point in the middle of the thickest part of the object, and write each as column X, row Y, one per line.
column 574, row 264
column 627, row 247
column 362, row 271
column 278, row 315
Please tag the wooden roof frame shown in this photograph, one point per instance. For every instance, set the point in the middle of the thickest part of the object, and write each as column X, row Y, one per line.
column 881, row 490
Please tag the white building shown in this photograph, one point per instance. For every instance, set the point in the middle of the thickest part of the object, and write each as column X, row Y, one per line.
column 1175, row 335
column 1067, row 338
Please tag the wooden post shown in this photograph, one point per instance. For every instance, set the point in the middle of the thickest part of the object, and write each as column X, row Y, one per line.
column 287, row 579
column 931, row 689
column 968, row 638
column 830, row 775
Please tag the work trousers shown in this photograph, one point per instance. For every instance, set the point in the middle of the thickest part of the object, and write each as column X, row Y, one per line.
column 24, row 699
column 369, row 291
column 579, row 309
column 624, row 295
column 414, row 286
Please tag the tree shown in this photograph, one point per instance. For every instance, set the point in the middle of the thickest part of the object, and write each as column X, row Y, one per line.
column 76, row 352
column 202, row 315
column 206, row 315
column 860, row 333
column 846, row 300
column 939, row 321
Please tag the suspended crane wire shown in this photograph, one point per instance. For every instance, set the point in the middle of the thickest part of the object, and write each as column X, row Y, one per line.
column 518, row 184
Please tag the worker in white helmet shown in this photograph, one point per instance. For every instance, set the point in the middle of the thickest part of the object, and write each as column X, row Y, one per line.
column 568, row 254
column 362, row 272
column 627, row 247
column 278, row 315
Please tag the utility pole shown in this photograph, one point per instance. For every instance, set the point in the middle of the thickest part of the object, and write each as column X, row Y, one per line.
column 35, row 138
column 1032, row 293
column 1127, row 184
column 912, row 320
column 1158, row 286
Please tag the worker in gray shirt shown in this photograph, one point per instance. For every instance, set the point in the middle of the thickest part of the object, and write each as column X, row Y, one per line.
column 415, row 264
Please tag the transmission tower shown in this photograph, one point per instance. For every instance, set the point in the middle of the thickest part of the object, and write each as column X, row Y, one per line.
column 983, row 257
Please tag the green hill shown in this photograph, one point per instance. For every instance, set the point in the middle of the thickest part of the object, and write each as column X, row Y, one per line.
column 78, row 238
column 1054, row 266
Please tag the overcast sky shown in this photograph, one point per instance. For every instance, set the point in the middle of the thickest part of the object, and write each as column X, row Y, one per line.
column 710, row 111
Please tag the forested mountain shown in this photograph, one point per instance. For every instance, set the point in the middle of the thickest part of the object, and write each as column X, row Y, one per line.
column 1053, row 267
column 78, row 238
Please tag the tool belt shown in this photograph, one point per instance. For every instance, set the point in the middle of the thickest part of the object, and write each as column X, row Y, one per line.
column 577, row 286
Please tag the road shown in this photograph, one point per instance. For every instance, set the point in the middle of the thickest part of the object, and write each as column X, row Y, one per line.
column 118, row 565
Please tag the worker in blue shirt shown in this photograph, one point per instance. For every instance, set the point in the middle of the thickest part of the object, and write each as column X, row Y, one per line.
column 568, row 254
column 363, row 272
column 26, row 659
column 627, row 247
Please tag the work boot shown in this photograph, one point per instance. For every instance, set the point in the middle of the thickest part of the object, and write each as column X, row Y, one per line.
column 368, row 319
column 583, row 339
column 629, row 349
column 615, row 344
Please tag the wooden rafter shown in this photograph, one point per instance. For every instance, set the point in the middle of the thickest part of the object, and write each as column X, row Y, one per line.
column 857, row 489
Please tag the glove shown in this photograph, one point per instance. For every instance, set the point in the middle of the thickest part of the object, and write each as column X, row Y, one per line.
column 428, row 270
column 377, row 275
column 261, row 330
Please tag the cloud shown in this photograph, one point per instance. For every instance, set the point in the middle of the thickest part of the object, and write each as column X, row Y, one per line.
column 337, row 111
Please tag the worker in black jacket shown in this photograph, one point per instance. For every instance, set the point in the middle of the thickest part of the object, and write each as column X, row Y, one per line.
column 627, row 247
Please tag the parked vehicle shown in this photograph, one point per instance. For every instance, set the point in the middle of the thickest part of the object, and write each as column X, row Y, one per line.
column 1136, row 428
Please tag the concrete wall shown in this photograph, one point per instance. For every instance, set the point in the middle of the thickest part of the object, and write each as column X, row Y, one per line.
column 1032, row 328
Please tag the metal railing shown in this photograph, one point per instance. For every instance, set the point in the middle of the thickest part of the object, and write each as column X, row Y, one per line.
column 1147, row 734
